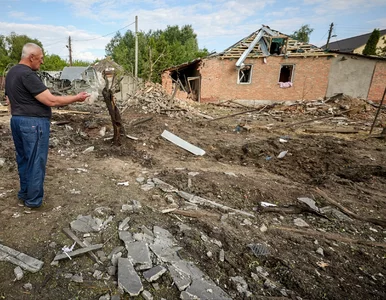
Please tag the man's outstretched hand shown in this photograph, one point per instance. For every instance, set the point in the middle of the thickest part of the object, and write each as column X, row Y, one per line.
column 82, row 96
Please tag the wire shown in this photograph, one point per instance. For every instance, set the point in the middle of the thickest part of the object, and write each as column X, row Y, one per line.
column 104, row 35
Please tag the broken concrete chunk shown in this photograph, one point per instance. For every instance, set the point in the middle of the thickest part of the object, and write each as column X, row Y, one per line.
column 300, row 222
column 115, row 257
column 180, row 278
column 115, row 250
column 111, row 270
column 77, row 278
column 163, row 186
column 154, row 273
column 23, row 260
column 86, row 224
column 139, row 254
column 18, row 273
column 97, row 274
column 147, row 295
column 126, row 236
column 128, row 279
column 241, row 285
column 27, row 286
column 222, row 255
column 147, row 187
column 187, row 296
column 205, row 289
column 310, row 202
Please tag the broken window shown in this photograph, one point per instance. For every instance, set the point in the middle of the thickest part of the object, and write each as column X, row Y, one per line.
column 286, row 73
column 245, row 74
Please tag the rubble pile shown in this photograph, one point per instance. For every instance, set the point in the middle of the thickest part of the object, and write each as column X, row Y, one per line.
column 337, row 104
column 152, row 98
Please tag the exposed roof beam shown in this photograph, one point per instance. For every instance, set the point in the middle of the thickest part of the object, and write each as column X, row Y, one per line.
column 253, row 44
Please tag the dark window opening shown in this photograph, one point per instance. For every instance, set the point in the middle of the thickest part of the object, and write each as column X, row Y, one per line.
column 286, row 73
column 245, row 74
column 277, row 46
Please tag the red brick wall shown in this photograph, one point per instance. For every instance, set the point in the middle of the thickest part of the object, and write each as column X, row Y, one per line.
column 378, row 84
column 219, row 79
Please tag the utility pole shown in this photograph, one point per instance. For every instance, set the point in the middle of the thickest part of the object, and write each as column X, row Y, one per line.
column 69, row 49
column 329, row 35
column 136, row 47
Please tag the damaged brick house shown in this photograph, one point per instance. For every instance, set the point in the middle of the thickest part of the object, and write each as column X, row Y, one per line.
column 270, row 66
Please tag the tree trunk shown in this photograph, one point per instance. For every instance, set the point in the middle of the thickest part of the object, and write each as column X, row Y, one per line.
column 116, row 120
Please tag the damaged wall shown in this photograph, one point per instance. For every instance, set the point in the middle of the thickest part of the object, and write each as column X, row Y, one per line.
column 310, row 79
column 350, row 75
column 378, row 83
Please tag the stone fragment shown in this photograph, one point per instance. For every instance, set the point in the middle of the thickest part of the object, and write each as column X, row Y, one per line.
column 300, row 223
column 18, row 273
column 111, row 270
column 86, row 224
column 263, row 228
column 310, row 202
column 115, row 257
column 147, row 295
column 206, row 289
column 154, row 273
column 139, row 254
column 128, row 279
column 116, row 297
column 241, row 285
column 18, row 258
column 222, row 255
column 320, row 251
column 105, row 297
column 97, row 274
column 140, row 179
column 77, row 278
column 163, row 186
column 27, row 286
column 115, row 250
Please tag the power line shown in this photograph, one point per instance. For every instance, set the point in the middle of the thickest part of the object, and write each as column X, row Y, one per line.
column 104, row 35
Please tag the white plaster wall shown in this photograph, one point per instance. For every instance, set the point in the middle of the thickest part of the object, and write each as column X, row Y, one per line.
column 350, row 75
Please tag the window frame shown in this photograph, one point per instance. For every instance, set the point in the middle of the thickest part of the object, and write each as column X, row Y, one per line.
column 292, row 75
column 250, row 75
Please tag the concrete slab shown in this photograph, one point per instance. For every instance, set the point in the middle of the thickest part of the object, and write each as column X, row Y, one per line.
column 205, row 289
column 128, row 279
column 154, row 273
column 20, row 259
column 139, row 254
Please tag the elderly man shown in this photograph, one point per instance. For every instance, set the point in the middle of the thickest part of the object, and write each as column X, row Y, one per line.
column 31, row 104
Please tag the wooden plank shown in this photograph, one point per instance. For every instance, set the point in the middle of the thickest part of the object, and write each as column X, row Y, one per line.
column 78, row 252
column 71, row 235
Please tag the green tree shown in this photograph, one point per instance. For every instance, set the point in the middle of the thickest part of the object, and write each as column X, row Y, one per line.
column 11, row 47
column 15, row 45
column 158, row 50
column 303, row 34
column 80, row 63
column 371, row 45
column 53, row 62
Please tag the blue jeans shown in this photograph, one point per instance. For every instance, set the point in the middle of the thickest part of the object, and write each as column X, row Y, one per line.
column 31, row 139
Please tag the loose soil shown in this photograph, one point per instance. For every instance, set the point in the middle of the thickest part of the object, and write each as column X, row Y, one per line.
column 240, row 170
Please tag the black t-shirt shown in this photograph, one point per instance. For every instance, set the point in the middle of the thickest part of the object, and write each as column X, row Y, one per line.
column 22, row 84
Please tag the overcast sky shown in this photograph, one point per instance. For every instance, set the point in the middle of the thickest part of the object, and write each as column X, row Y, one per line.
column 217, row 23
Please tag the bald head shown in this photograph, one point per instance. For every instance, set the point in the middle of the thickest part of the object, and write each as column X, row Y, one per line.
column 30, row 48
